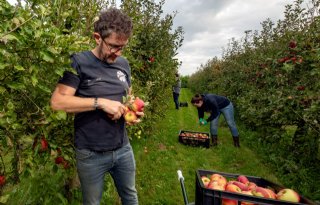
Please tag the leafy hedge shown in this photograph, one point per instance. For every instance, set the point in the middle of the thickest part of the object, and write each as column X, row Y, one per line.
column 36, row 40
column 272, row 77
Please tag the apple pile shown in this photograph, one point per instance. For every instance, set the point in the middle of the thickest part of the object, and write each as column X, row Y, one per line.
column 194, row 135
column 243, row 186
column 133, row 105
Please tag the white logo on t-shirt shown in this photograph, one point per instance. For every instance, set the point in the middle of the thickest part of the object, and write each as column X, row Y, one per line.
column 121, row 76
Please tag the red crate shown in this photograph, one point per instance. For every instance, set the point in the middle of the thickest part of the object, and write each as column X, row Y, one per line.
column 206, row 196
column 194, row 138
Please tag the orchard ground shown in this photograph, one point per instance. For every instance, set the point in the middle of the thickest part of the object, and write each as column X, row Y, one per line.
column 160, row 155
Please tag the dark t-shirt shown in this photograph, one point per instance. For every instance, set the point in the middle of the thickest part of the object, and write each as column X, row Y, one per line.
column 94, row 130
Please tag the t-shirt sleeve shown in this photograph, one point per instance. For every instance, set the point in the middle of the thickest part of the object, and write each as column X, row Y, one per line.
column 69, row 78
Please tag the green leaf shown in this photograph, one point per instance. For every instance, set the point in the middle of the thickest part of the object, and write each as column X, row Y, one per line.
column 53, row 50
column 3, row 65
column 34, row 80
column 2, row 90
column 46, row 57
column 44, row 88
column 9, row 37
column 16, row 86
column 19, row 67
column 61, row 115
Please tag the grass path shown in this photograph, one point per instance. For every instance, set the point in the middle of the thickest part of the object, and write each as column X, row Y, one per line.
column 159, row 157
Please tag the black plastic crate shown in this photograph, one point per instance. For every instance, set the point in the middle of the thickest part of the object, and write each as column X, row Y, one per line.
column 206, row 196
column 194, row 138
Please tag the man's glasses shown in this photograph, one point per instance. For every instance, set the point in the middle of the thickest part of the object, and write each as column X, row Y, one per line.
column 114, row 48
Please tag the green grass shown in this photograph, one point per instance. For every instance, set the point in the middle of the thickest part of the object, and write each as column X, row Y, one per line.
column 159, row 156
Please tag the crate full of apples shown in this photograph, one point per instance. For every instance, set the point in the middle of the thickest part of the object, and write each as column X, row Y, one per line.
column 194, row 138
column 219, row 188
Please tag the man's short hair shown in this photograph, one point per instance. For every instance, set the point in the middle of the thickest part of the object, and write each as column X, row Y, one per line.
column 113, row 20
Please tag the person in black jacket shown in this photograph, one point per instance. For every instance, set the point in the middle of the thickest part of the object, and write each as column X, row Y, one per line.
column 176, row 91
column 215, row 105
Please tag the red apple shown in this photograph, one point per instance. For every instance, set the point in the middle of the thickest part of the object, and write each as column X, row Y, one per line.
column 44, row 144
column 138, row 105
column 251, row 186
column 233, row 188
column 271, row 193
column 151, row 59
column 292, row 44
column 288, row 195
column 59, row 160
column 205, row 181
column 2, row 180
column 241, row 185
column 261, row 192
column 229, row 202
column 246, row 202
column 215, row 185
column 230, row 182
column 219, row 178
column 130, row 116
column 243, row 179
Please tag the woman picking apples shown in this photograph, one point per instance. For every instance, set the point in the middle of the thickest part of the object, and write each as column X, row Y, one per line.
column 94, row 93
column 215, row 105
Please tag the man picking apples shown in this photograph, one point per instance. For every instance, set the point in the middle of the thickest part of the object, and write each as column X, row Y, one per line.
column 94, row 93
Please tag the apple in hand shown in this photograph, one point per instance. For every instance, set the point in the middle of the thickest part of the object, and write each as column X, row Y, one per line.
column 138, row 105
column 205, row 181
column 288, row 195
column 130, row 116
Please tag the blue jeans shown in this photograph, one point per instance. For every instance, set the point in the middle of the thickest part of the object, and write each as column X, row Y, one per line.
column 92, row 167
column 228, row 113
column 176, row 99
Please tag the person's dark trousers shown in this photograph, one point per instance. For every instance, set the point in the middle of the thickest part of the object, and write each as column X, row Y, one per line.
column 176, row 99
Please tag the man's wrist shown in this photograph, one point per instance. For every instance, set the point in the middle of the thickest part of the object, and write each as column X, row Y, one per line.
column 95, row 103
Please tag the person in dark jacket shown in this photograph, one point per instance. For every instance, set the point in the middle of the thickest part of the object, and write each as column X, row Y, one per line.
column 215, row 105
column 176, row 91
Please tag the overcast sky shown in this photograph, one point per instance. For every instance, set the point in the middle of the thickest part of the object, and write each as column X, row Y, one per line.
column 210, row 24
